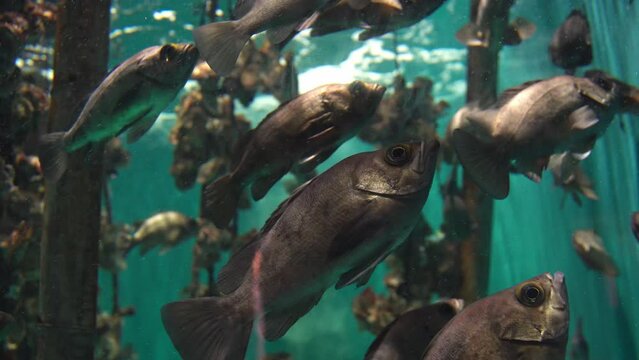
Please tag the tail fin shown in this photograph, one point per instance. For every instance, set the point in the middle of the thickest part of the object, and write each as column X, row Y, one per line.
column 220, row 44
column 53, row 156
column 220, row 200
column 486, row 165
column 207, row 328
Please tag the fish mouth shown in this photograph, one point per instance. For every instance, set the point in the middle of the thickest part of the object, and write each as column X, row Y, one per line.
column 560, row 301
column 376, row 93
column 427, row 156
column 190, row 53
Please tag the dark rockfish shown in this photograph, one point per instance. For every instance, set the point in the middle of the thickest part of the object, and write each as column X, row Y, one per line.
column 478, row 33
column 528, row 321
column 591, row 250
column 571, row 45
column 130, row 99
column 302, row 133
column 335, row 229
column 528, row 124
column 378, row 18
column 408, row 336
column 221, row 43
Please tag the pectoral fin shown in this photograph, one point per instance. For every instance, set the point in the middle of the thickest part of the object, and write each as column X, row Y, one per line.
column 361, row 274
column 583, row 118
column 310, row 163
column 141, row 126
column 262, row 185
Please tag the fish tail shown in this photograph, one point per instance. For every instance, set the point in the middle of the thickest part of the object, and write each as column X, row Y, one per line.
column 207, row 328
column 486, row 165
column 220, row 44
column 220, row 200
column 53, row 156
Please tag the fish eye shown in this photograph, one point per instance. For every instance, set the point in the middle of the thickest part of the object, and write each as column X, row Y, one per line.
column 531, row 295
column 167, row 53
column 398, row 155
column 357, row 88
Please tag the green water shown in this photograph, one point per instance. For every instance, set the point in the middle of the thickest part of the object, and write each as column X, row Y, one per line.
column 531, row 232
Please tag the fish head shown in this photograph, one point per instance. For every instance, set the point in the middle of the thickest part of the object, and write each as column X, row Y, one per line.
column 358, row 98
column 170, row 65
column 626, row 95
column 535, row 311
column 398, row 170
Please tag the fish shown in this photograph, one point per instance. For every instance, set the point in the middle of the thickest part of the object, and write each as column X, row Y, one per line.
column 571, row 45
column 334, row 230
column 408, row 336
column 590, row 248
column 165, row 229
column 377, row 19
column 479, row 33
column 529, row 123
column 221, row 42
column 634, row 224
column 299, row 134
column 568, row 174
column 129, row 99
column 527, row 321
column 578, row 344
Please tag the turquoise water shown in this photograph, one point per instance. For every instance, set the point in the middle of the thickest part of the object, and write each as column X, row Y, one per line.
column 531, row 232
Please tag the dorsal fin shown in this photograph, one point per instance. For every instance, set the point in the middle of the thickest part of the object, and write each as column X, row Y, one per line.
column 508, row 94
column 282, row 207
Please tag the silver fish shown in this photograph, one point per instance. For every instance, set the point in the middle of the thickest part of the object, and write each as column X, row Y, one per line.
column 527, row 321
column 571, row 45
column 590, row 248
column 221, row 43
column 129, row 99
column 527, row 125
column 335, row 229
column 408, row 336
column 479, row 33
column 166, row 230
column 301, row 133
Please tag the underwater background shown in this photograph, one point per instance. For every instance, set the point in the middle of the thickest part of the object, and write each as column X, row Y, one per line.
column 531, row 230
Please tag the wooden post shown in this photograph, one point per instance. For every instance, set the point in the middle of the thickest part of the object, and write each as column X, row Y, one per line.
column 69, row 263
column 483, row 66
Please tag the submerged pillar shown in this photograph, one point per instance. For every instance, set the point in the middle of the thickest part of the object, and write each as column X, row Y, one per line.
column 69, row 260
column 482, row 81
